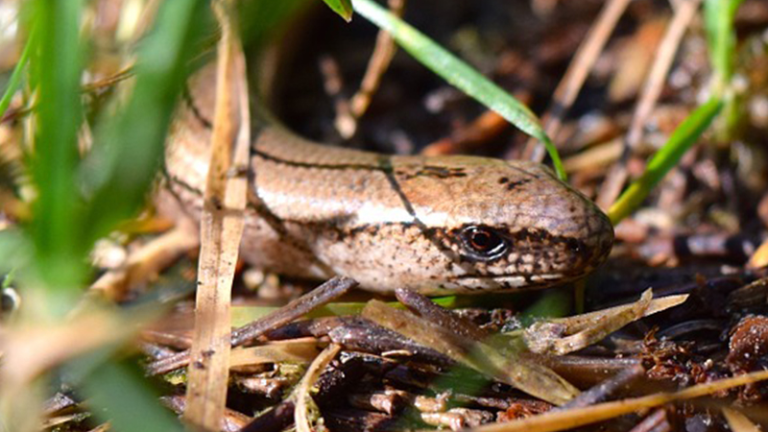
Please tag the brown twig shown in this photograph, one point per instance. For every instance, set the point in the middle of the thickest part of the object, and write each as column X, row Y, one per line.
column 383, row 52
column 577, row 73
column 617, row 176
column 147, row 261
column 482, row 129
column 606, row 388
column 653, row 422
column 247, row 333
column 381, row 57
column 274, row 420
column 440, row 316
column 295, row 309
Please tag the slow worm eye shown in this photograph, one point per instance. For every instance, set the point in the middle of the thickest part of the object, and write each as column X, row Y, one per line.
column 483, row 243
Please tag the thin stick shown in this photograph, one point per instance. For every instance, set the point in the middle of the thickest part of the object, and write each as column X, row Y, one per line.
column 297, row 308
column 383, row 52
column 221, row 229
column 561, row 420
column 577, row 73
column 738, row 422
column 652, row 88
column 382, row 55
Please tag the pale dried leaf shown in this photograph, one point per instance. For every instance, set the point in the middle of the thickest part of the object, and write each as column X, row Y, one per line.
column 532, row 378
column 565, row 335
column 292, row 351
column 759, row 259
column 305, row 406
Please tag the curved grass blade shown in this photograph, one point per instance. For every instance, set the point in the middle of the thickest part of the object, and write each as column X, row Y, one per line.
column 667, row 157
column 459, row 74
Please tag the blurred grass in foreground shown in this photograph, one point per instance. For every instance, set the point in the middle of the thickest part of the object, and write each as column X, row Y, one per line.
column 79, row 200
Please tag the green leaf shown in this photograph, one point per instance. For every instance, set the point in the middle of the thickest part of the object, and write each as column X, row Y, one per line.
column 15, row 250
column 55, row 69
column 459, row 74
column 118, row 395
column 341, row 7
column 130, row 144
column 665, row 159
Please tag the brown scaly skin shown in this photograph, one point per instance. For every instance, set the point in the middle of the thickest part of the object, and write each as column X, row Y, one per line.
column 437, row 225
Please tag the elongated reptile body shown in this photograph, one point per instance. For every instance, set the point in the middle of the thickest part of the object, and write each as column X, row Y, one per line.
column 453, row 224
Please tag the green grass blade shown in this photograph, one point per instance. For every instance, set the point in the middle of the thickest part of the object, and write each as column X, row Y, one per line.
column 341, row 7
column 119, row 395
column 131, row 143
column 459, row 74
column 15, row 250
column 15, row 80
column 687, row 133
column 719, row 16
column 261, row 20
column 55, row 69
column 721, row 39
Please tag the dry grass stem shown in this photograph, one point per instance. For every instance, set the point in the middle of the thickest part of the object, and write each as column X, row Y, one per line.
column 738, row 421
column 247, row 333
column 594, row 158
column 574, row 78
column 383, row 51
column 562, row 420
column 301, row 351
column 654, row 84
column 221, row 230
column 27, row 353
column 305, row 406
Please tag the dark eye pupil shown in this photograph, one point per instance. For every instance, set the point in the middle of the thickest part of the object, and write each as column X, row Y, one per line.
column 482, row 240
